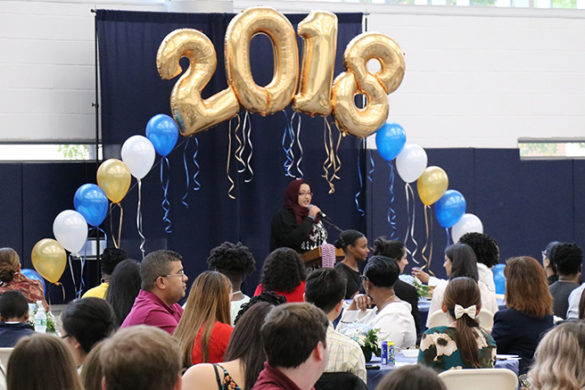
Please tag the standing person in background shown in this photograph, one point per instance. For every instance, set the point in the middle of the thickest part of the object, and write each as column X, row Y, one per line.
column 124, row 288
column 236, row 262
column 110, row 259
column 487, row 253
column 549, row 267
column 12, row 279
column 567, row 259
column 297, row 224
column 355, row 247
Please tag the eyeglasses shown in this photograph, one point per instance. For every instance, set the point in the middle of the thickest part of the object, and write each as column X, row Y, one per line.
column 363, row 277
column 543, row 253
column 181, row 273
column 305, row 193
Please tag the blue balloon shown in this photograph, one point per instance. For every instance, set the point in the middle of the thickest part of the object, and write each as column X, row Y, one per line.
column 499, row 278
column 32, row 274
column 450, row 208
column 390, row 139
column 91, row 202
column 163, row 132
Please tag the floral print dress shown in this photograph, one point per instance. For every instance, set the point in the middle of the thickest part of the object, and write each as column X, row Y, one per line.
column 439, row 349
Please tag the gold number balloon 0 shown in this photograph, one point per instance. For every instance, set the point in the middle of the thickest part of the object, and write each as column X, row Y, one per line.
column 359, row 80
column 190, row 110
column 319, row 32
column 278, row 93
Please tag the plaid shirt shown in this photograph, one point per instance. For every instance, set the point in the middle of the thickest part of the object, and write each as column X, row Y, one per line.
column 345, row 355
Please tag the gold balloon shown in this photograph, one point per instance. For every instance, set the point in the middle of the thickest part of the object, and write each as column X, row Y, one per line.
column 190, row 110
column 319, row 32
column 278, row 93
column 432, row 184
column 113, row 176
column 362, row 122
column 49, row 259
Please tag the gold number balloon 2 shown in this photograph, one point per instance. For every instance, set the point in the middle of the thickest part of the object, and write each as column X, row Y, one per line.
column 49, row 259
column 432, row 184
column 113, row 176
column 319, row 32
column 359, row 80
column 190, row 110
column 278, row 93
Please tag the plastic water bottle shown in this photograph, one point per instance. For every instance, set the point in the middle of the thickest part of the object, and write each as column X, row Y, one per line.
column 40, row 318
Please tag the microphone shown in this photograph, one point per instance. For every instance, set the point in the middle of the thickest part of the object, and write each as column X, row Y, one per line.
column 320, row 213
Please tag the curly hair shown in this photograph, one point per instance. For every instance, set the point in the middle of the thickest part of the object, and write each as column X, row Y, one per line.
column 567, row 258
column 231, row 259
column 486, row 248
column 265, row 296
column 9, row 264
column 283, row 271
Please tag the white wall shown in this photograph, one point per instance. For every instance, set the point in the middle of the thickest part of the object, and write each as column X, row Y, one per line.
column 475, row 77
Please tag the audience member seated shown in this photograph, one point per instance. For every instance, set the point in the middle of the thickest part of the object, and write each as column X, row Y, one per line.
column 412, row 377
column 86, row 322
column 460, row 260
column 518, row 329
column 549, row 267
column 462, row 344
column 391, row 314
column 407, row 292
column 294, row 338
column 163, row 284
column 244, row 357
column 236, row 262
column 12, row 279
column 42, row 362
column 13, row 314
column 567, row 259
column 355, row 247
column 204, row 330
column 109, row 260
column 558, row 360
column 284, row 273
column 124, row 288
column 487, row 254
column 141, row 357
column 325, row 289
column 91, row 373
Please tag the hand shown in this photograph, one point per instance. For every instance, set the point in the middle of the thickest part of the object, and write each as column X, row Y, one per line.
column 313, row 211
column 360, row 302
column 421, row 275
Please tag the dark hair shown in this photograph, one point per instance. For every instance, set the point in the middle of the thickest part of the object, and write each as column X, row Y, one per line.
column 582, row 306
column 382, row 271
column 156, row 264
column 124, row 288
column 232, row 260
column 567, row 258
column 412, row 377
column 246, row 344
column 89, row 320
column 486, row 248
column 265, row 296
column 527, row 287
column 291, row 332
column 347, row 237
column 464, row 261
column 13, row 304
column 283, row 271
column 464, row 291
column 389, row 248
column 110, row 259
column 549, row 247
column 325, row 288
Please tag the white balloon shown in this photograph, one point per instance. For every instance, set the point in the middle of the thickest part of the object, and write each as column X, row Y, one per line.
column 469, row 223
column 138, row 155
column 70, row 229
column 411, row 162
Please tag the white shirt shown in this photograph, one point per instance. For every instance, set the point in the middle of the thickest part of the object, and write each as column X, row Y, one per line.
column 345, row 355
column 486, row 276
column 394, row 321
column 235, row 307
column 574, row 298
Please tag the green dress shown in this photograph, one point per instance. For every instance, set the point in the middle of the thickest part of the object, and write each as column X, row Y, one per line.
column 440, row 351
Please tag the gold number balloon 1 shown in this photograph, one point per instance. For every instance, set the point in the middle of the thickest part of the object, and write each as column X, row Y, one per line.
column 113, row 176
column 278, row 93
column 319, row 32
column 359, row 80
column 190, row 110
column 432, row 184
column 49, row 259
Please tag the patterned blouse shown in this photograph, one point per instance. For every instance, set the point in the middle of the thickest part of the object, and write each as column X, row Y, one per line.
column 31, row 289
column 439, row 349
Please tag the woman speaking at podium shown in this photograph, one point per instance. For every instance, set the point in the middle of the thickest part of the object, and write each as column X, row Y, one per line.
column 297, row 224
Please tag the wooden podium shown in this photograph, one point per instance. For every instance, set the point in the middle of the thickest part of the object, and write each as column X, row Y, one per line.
column 312, row 258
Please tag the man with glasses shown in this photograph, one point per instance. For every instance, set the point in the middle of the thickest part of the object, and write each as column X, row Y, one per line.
column 163, row 284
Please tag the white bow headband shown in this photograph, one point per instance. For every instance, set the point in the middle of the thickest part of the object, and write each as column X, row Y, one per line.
column 470, row 311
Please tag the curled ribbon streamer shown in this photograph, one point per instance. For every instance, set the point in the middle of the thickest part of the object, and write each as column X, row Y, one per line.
column 288, row 154
column 72, row 273
column 332, row 161
column 240, row 143
column 229, row 152
column 248, row 164
column 243, row 143
column 448, row 237
column 411, row 213
column 298, row 139
column 358, row 193
column 373, row 166
column 139, row 218
column 196, row 185
column 116, row 243
column 291, row 144
column 391, row 216
column 184, row 198
column 165, row 204
column 81, row 279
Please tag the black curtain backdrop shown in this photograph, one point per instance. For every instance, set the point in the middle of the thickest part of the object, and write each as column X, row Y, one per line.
column 132, row 92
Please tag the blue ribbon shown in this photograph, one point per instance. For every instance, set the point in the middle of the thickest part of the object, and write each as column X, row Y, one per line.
column 391, row 212
column 288, row 153
column 184, row 198
column 196, row 185
column 373, row 166
column 165, row 204
column 357, row 194
column 448, row 237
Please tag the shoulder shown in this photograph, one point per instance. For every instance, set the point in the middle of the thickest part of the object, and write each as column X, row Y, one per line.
column 200, row 376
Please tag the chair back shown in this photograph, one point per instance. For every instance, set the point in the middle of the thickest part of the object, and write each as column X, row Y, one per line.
column 4, row 355
column 340, row 381
column 485, row 319
column 439, row 318
column 480, row 379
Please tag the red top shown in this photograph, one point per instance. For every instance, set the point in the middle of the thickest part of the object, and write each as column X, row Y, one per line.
column 218, row 342
column 271, row 378
column 30, row 288
column 295, row 295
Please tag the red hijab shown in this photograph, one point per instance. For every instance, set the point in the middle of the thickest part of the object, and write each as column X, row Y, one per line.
column 291, row 200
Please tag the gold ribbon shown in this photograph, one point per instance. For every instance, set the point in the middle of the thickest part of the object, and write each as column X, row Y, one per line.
column 116, row 243
column 429, row 239
column 229, row 152
column 332, row 152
